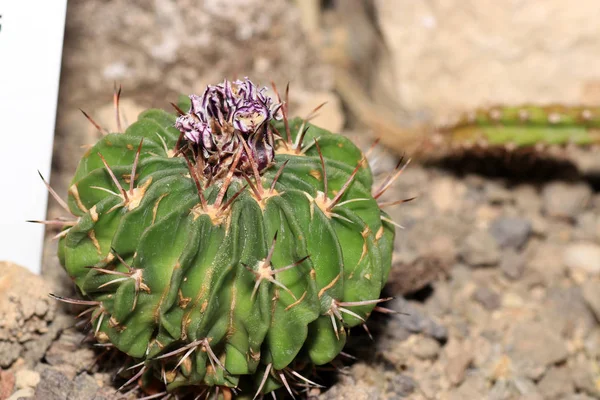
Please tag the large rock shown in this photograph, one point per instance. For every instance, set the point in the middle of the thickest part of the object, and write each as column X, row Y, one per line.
column 26, row 315
column 449, row 55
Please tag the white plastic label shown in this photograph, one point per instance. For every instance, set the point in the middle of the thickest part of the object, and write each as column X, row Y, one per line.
column 31, row 38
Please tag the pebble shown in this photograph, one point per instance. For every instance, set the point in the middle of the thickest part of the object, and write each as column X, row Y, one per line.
column 26, row 378
column 402, row 385
column 415, row 321
column 56, row 386
column 21, row 394
column 480, row 249
column 565, row 309
column 425, row 348
column 585, row 377
column 511, row 232
column 556, row 383
column 583, row 256
column 565, row 200
column 487, row 298
column 456, row 367
column 533, row 347
column 513, row 264
column 446, row 194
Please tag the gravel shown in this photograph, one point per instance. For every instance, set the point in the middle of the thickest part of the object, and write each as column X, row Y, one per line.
column 565, row 200
column 510, row 232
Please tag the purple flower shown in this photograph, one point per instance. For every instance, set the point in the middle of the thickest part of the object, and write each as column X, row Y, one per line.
column 227, row 113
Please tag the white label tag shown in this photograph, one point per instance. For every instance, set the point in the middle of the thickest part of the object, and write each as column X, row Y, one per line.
column 31, row 38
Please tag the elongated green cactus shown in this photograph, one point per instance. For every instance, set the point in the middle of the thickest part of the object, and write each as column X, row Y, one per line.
column 515, row 127
column 226, row 248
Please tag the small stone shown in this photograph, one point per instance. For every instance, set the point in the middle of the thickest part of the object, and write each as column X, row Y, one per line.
column 414, row 320
column 456, row 367
column 585, row 377
column 503, row 389
column 84, row 387
column 512, row 264
column 546, row 260
column 510, row 232
column 583, row 256
column 7, row 383
column 25, row 311
column 580, row 396
column 526, row 387
column 53, row 386
column 565, row 310
column 402, row 385
column 480, row 249
column 533, row 347
column 487, row 298
column 426, row 348
column 565, row 200
column 9, row 352
column 474, row 387
column 446, row 194
column 26, row 378
column 22, row 394
column 556, row 383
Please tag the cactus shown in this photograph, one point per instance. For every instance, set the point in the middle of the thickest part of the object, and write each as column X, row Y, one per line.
column 227, row 248
column 524, row 126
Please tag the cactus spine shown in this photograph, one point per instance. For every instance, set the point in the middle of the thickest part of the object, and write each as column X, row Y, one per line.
column 226, row 248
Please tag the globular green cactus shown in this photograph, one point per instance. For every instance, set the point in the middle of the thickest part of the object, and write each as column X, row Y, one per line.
column 228, row 247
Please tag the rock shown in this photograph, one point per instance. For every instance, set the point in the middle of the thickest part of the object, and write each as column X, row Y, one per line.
column 67, row 350
column 556, row 383
column 547, row 261
column 480, row 249
column 585, row 377
column 413, row 320
column 491, row 43
column 503, row 389
column 510, row 232
column 7, row 383
column 526, row 387
column 566, row 311
column 330, row 116
column 565, row 200
column 580, row 396
column 588, row 226
column 409, row 277
column 487, row 298
column 533, row 347
column 402, row 385
column 26, row 311
column 457, row 365
column 351, row 389
column 584, row 256
column 425, row 348
column 591, row 294
column 53, row 386
column 474, row 387
column 9, row 352
column 84, row 387
column 446, row 194
column 513, row 264
column 22, row 394
column 26, row 378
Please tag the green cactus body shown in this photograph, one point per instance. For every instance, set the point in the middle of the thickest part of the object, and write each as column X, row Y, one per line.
column 253, row 279
column 525, row 126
